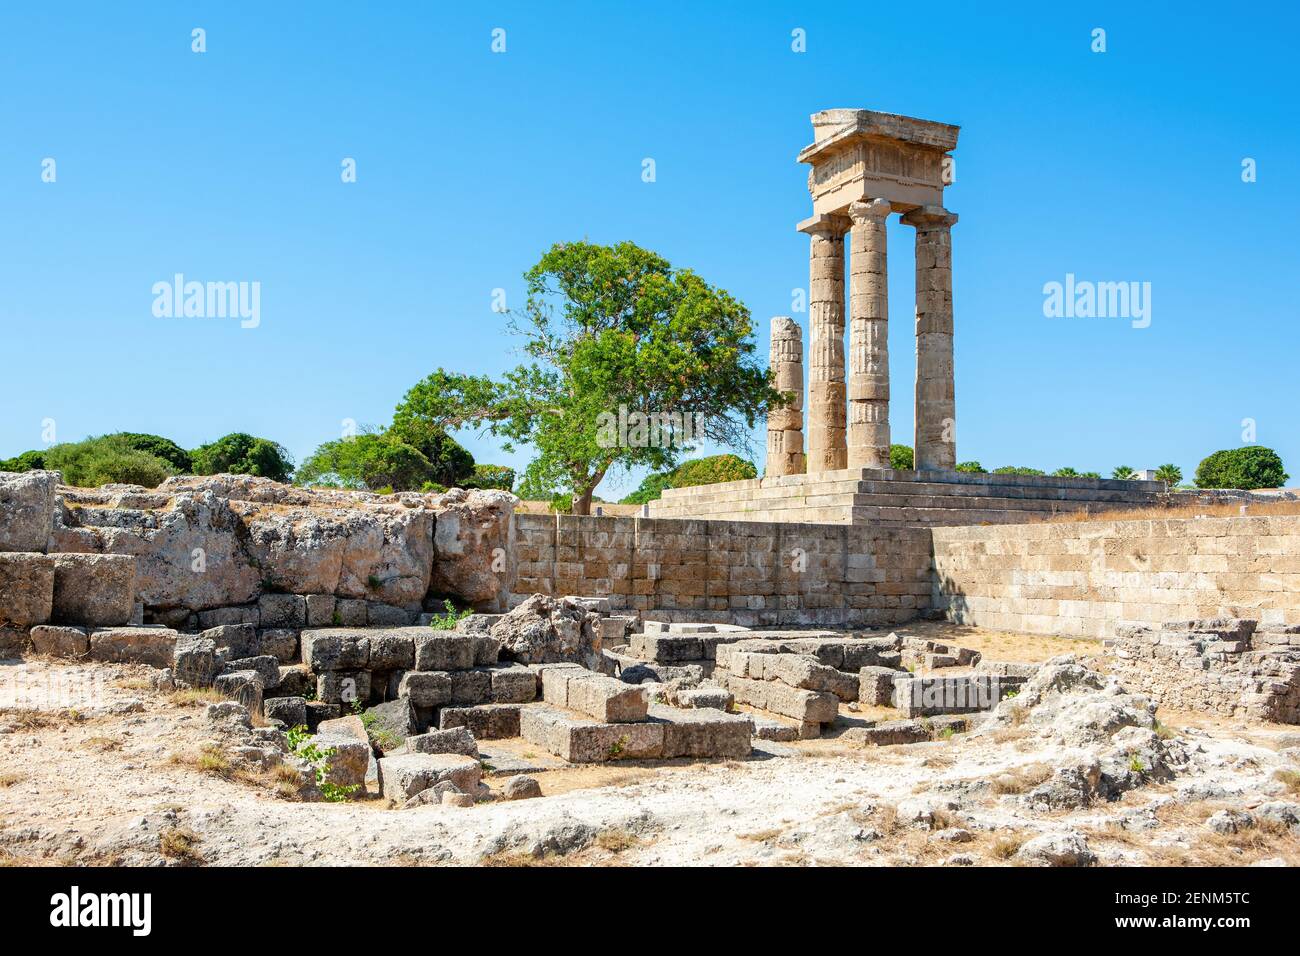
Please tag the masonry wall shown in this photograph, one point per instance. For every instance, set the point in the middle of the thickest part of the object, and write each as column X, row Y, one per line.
column 1079, row 579
column 729, row 571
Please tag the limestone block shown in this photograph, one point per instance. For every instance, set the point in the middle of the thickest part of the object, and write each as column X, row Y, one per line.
column 335, row 649
column 484, row 721
column 394, row 649
column 703, row 733
column 404, row 775
column 265, row 666
column 219, row 616
column 343, row 687
column 242, row 686
column 296, row 680
column 320, row 610
column 282, row 610
column 291, row 711
column 394, row 720
column 60, row 641
column 584, row 741
column 280, row 643
column 456, row 740
column 154, row 646
column 444, row 651
column 93, row 589
column 426, row 688
column 876, row 685
column 26, row 511
column 194, row 660
column 470, row 687
column 513, row 685
column 26, row 588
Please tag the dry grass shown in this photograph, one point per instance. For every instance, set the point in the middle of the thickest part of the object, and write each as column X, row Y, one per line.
column 181, row 844
column 1007, row 846
column 616, row 840
column 1020, row 779
column 1289, row 779
column 102, row 744
column 518, row 858
column 195, row 697
column 25, row 718
column 761, row 836
column 8, row 779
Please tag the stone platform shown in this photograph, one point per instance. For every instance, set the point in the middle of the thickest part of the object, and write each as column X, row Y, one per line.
column 888, row 498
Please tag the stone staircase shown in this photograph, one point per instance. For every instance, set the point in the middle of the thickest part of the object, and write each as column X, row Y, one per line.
column 904, row 498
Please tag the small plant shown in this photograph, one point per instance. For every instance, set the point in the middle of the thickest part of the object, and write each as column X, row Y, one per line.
column 617, row 747
column 180, row 843
column 374, row 583
column 336, row 618
column 1011, row 695
column 1005, row 847
column 1135, row 764
column 1164, row 732
column 449, row 620
column 299, row 740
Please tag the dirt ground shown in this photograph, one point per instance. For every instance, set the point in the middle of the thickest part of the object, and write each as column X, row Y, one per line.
column 96, row 768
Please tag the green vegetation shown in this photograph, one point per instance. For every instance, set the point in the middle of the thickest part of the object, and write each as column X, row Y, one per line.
column 1252, row 466
column 299, row 740
column 1124, row 473
column 492, row 476
column 450, row 617
column 971, row 467
column 242, row 454
column 696, row 471
column 104, row 460
column 1171, row 475
column 609, row 332
column 1016, row 470
column 375, row 461
column 900, row 457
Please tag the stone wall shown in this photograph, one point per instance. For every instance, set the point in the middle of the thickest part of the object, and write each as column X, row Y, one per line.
column 747, row 573
column 1081, row 579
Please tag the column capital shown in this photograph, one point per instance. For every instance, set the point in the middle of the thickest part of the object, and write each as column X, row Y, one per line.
column 930, row 217
column 875, row 210
column 830, row 225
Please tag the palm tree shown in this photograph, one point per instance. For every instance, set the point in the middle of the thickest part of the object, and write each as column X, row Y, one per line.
column 1123, row 472
column 1169, row 474
column 1065, row 473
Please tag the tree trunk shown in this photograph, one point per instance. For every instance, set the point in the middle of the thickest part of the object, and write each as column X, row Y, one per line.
column 582, row 502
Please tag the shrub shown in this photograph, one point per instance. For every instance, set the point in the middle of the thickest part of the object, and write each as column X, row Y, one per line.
column 159, row 447
column 1016, row 470
column 452, row 466
column 366, row 461
column 1253, row 466
column 1065, row 473
column 27, row 461
column 500, row 477
column 242, row 454
column 971, row 467
column 715, row 468
column 104, row 460
column 900, row 457
column 651, row 488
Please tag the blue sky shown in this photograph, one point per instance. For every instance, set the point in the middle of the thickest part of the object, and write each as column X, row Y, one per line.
column 1115, row 166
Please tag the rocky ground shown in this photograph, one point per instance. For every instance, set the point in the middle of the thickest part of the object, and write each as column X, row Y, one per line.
column 96, row 767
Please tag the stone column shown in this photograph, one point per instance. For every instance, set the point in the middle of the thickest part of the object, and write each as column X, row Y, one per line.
column 868, row 433
column 785, row 425
column 936, row 410
column 826, row 411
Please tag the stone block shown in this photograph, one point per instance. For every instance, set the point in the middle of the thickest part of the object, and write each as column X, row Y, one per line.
column 765, row 728
column 470, row 687
column 26, row 511
column 59, row 641
column 348, row 757
column 876, row 685
column 350, row 613
column 604, row 698
column 513, row 685
column 343, row 687
column 335, row 649
column 318, row 711
column 26, row 589
column 154, row 646
column 392, row 650
column 444, row 651
column 485, row 721
column 404, row 775
column 13, row 642
column 291, row 711
column 703, row 733
column 194, row 660
column 282, row 610
column 97, row 590
column 379, row 614
column 578, row 740
column 910, row 731
column 240, row 640
column 392, row 721
column 320, row 610
column 280, row 643
column 242, row 686
column 927, row 696
column 713, row 698
column 296, row 680
column 456, row 740
column 426, row 688
column 804, row 706
column 265, row 666
column 219, row 616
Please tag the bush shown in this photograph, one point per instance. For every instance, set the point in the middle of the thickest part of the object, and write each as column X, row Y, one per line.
column 900, row 457
column 369, row 462
column 159, row 447
column 491, row 476
column 651, row 488
column 1253, row 466
column 242, row 454
column 27, row 461
column 1016, row 470
column 451, row 464
column 105, row 460
column 971, row 467
column 715, row 468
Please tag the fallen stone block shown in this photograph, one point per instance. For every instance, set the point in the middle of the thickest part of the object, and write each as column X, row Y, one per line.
column 291, row 711
column 59, row 641
column 806, row 672
column 521, row 787
column 390, row 723
column 404, row 775
column 242, row 686
column 713, row 698
column 194, row 660
column 579, row 740
column 803, row 706
column 1008, row 669
column 93, row 589
column 296, row 680
column 666, row 648
column 336, row 649
column 154, row 646
column 766, row 728
column 927, row 696
column 456, row 740
column 347, row 758
column 484, row 721
column 703, row 733
column 266, row 667
column 13, row 642
column 876, row 685
column 606, row 699
column 280, row 643
column 26, row 589
column 318, row 711
column 912, row 731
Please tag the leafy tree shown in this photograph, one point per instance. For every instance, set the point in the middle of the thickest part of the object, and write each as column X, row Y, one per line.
column 1016, row 470
column 1171, row 475
column 1066, row 472
column 492, row 476
column 710, row 470
column 242, row 454
column 106, row 459
column 608, row 330
column 159, row 447
column 453, row 466
column 900, row 457
column 27, row 461
column 651, row 488
column 1253, row 466
column 1124, row 473
column 379, row 460
column 971, row 467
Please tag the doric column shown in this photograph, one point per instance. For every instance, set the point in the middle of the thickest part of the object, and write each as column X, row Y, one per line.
column 785, row 425
column 936, row 409
column 868, row 433
column 826, row 412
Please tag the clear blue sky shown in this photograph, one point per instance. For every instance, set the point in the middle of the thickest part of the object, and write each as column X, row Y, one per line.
column 225, row 166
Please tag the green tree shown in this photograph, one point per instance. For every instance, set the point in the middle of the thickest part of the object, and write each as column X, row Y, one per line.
column 159, row 447
column 1171, row 475
column 492, row 476
column 1066, row 472
column 1016, row 470
column 1124, row 473
column 711, row 470
column 369, row 461
column 1252, row 466
column 242, row 454
column 971, row 467
column 609, row 332
column 651, row 488
column 104, row 460
column 900, row 457
column 27, row 461
column 1096, row 475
